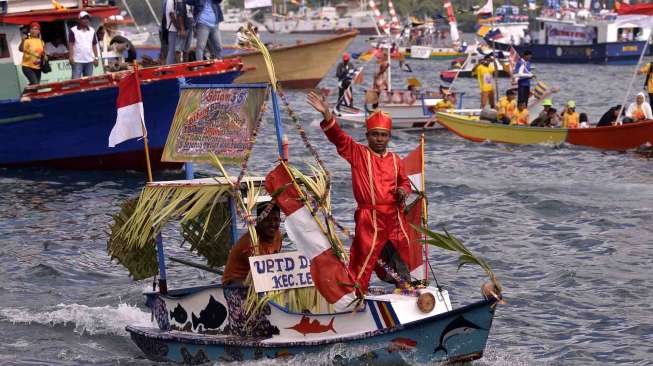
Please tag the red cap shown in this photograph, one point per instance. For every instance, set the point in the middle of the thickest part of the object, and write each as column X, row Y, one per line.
column 34, row 25
column 345, row 56
column 379, row 120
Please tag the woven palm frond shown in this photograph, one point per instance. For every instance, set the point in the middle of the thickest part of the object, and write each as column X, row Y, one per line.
column 209, row 234
column 141, row 262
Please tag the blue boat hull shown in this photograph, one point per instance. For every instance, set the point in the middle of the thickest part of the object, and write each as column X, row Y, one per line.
column 72, row 131
column 433, row 339
column 617, row 53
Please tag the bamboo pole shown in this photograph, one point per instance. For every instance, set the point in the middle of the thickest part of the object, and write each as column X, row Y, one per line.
column 425, row 212
column 145, row 140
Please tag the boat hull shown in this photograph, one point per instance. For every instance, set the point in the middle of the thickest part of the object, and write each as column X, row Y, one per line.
column 300, row 66
column 379, row 333
column 616, row 53
column 628, row 136
column 404, row 116
column 71, row 131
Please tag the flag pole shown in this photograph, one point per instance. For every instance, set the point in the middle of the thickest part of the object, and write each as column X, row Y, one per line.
column 425, row 210
column 145, row 141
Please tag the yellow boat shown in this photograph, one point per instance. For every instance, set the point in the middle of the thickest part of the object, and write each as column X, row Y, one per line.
column 471, row 128
column 298, row 66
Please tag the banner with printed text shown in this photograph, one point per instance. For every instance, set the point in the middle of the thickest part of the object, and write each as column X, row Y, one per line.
column 281, row 271
column 570, row 33
column 214, row 120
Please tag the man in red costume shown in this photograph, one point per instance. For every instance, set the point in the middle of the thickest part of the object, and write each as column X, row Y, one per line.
column 380, row 187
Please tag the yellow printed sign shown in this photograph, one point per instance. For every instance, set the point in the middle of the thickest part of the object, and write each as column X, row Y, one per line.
column 214, row 120
column 629, row 49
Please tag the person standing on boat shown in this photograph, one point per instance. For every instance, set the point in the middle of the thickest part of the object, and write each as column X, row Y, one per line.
column 175, row 27
column 380, row 186
column 648, row 83
column 344, row 74
column 522, row 73
column 33, row 50
column 207, row 15
column 638, row 111
column 485, row 74
column 82, row 42
column 269, row 242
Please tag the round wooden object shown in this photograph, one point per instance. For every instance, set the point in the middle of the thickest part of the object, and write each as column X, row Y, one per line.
column 426, row 302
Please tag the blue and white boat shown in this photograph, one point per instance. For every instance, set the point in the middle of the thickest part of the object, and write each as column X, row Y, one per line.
column 66, row 123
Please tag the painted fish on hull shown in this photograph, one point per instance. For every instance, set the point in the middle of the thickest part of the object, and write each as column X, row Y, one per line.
column 459, row 326
column 306, row 326
column 211, row 317
column 179, row 314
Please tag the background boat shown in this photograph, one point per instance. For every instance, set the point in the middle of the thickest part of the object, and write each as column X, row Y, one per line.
column 624, row 137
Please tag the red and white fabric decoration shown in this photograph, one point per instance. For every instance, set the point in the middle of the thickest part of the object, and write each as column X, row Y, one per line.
column 129, row 122
column 637, row 15
column 328, row 272
column 414, row 169
column 385, row 27
column 453, row 24
column 394, row 21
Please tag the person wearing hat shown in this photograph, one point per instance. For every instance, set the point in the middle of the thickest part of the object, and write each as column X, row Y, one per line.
column 570, row 118
column 33, row 50
column 380, row 186
column 546, row 118
column 640, row 110
column 269, row 242
column 344, row 73
column 485, row 74
column 82, row 50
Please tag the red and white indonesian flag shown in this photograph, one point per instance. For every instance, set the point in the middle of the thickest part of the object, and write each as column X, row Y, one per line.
column 638, row 15
column 328, row 272
column 414, row 169
column 129, row 122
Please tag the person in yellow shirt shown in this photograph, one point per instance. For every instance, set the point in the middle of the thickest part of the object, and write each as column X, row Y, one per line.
column 506, row 107
column 446, row 103
column 648, row 83
column 33, row 50
column 570, row 118
column 485, row 75
column 521, row 117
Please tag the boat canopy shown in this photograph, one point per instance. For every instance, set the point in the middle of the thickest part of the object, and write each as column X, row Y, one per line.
column 55, row 15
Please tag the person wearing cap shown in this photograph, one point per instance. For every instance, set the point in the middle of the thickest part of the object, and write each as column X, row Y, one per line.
column 570, row 118
column 640, row 110
column 380, row 186
column 269, row 242
column 506, row 107
column 546, row 118
column 82, row 43
column 207, row 15
column 523, row 74
column 344, row 73
column 33, row 50
column 485, row 74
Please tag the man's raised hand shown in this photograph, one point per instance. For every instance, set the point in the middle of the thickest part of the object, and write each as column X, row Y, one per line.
column 319, row 103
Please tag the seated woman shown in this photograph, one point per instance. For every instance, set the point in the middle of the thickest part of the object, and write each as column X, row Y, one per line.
column 610, row 117
column 269, row 241
column 638, row 111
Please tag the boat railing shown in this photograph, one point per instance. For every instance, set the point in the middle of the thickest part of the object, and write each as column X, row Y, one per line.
column 188, row 69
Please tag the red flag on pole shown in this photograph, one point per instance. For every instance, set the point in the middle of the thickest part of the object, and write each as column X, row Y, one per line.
column 129, row 119
column 414, row 165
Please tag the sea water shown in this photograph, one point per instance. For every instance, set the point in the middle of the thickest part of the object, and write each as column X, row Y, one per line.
column 567, row 230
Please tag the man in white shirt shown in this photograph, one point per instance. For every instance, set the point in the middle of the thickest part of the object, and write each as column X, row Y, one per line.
column 83, row 55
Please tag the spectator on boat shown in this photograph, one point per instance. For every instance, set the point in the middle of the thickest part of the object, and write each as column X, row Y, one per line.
column 640, row 110
column 584, row 120
column 521, row 117
column 175, row 27
column 381, row 81
column 83, row 55
column 207, row 15
column 120, row 45
column 380, row 187
column 548, row 116
column 648, row 83
column 485, row 75
column 241, row 38
column 506, row 107
column 610, row 117
column 56, row 50
column 269, row 242
column 396, row 53
column 33, row 51
column 447, row 103
column 522, row 73
column 184, row 41
column 344, row 73
column 570, row 118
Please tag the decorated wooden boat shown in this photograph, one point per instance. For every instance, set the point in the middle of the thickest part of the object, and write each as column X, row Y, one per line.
column 300, row 66
column 623, row 137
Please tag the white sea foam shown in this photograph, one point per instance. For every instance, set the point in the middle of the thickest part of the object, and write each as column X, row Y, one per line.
column 85, row 319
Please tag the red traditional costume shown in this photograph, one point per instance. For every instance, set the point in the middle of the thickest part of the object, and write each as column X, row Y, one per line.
column 375, row 180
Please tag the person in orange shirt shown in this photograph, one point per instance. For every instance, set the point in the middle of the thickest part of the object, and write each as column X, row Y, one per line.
column 520, row 118
column 570, row 118
column 33, row 50
column 269, row 241
column 506, row 107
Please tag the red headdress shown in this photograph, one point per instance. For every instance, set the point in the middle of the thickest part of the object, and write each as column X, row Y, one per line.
column 379, row 120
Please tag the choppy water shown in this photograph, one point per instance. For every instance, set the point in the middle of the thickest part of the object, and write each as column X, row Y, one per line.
column 568, row 231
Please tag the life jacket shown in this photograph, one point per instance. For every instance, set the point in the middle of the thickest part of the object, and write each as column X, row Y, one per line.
column 648, row 75
column 639, row 114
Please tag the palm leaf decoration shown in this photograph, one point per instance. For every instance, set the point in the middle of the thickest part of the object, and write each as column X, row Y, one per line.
column 447, row 241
